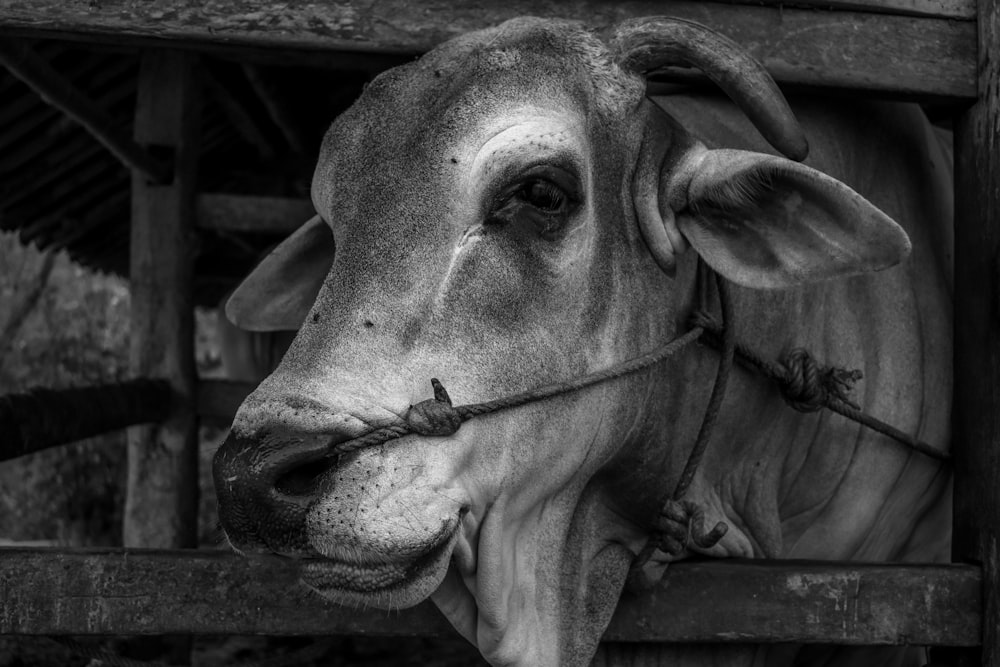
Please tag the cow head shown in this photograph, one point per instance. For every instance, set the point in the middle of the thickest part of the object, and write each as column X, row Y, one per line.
column 509, row 211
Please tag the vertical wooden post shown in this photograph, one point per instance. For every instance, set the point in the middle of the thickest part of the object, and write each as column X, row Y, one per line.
column 162, row 501
column 976, row 415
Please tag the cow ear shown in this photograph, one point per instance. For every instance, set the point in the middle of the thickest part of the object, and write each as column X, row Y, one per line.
column 767, row 222
column 278, row 294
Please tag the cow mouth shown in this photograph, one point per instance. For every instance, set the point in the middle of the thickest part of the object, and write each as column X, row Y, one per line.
column 395, row 583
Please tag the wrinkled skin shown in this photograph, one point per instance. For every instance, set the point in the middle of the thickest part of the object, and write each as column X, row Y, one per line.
column 522, row 525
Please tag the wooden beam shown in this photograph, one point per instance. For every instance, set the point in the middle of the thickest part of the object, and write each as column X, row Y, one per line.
column 960, row 10
column 899, row 55
column 44, row 418
column 95, row 592
column 60, row 93
column 248, row 213
column 798, row 601
column 976, row 412
column 162, row 495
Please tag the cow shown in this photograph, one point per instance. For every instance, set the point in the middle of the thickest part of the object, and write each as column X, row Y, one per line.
column 512, row 210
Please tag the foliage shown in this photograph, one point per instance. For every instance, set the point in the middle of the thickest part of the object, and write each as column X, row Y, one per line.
column 61, row 326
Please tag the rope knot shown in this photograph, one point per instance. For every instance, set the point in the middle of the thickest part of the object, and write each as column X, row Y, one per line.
column 807, row 386
column 682, row 523
column 435, row 416
column 701, row 319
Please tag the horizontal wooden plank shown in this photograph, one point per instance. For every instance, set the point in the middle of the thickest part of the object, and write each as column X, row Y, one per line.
column 961, row 10
column 247, row 213
column 812, row 602
column 95, row 592
column 899, row 55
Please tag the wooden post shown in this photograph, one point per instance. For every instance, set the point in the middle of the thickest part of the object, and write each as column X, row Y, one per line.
column 976, row 413
column 162, row 501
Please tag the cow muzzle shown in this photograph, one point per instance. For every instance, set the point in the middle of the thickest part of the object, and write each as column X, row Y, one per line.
column 375, row 526
column 265, row 487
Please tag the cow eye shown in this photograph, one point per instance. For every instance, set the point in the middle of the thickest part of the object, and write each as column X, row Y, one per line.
column 543, row 195
column 540, row 201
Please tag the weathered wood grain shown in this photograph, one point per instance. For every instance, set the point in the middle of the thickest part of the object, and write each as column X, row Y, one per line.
column 48, row 591
column 247, row 213
column 976, row 415
column 864, row 51
column 162, row 490
column 962, row 10
column 811, row 602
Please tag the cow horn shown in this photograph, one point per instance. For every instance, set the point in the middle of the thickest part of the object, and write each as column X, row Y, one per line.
column 641, row 45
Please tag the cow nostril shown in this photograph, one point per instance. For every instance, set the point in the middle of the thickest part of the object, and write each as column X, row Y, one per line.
column 304, row 479
column 265, row 485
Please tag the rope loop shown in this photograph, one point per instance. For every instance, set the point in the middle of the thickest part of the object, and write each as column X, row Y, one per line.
column 808, row 387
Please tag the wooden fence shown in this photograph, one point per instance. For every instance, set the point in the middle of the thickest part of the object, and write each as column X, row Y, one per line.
column 941, row 51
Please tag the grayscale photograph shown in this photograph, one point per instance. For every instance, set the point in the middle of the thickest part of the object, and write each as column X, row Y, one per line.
column 482, row 333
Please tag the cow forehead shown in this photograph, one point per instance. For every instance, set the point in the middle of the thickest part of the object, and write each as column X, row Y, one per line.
column 460, row 93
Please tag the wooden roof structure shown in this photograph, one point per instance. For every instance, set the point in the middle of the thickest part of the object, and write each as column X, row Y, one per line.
column 260, row 130
column 274, row 76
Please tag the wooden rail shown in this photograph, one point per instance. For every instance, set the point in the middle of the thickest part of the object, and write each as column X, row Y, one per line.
column 247, row 213
column 884, row 53
column 946, row 9
column 98, row 592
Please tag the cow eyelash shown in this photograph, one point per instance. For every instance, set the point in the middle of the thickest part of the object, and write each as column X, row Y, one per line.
column 539, row 200
column 543, row 195
column 549, row 188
